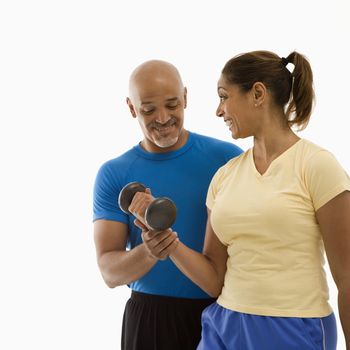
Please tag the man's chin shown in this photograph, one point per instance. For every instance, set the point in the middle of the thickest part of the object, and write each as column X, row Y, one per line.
column 166, row 143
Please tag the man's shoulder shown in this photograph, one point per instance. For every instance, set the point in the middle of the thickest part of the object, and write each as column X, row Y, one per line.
column 122, row 161
column 216, row 145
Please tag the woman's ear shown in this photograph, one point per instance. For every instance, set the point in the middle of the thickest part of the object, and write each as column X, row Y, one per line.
column 259, row 93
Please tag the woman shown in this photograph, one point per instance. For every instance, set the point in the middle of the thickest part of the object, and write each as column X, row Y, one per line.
column 271, row 213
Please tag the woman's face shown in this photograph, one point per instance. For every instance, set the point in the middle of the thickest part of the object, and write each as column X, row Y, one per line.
column 236, row 108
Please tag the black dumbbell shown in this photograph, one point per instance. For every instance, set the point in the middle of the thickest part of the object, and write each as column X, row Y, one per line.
column 160, row 213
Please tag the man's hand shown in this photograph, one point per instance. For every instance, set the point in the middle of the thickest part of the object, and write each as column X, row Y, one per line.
column 159, row 244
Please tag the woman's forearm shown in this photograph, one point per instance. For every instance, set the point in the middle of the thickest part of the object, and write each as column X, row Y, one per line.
column 344, row 312
column 199, row 268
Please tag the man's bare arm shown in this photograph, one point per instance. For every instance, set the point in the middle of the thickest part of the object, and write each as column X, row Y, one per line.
column 117, row 265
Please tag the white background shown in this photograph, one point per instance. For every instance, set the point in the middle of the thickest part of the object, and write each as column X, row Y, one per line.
column 64, row 68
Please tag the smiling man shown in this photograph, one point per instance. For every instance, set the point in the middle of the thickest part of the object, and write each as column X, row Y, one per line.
column 164, row 310
column 158, row 99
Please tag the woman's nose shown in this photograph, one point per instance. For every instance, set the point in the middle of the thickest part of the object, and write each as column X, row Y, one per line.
column 219, row 111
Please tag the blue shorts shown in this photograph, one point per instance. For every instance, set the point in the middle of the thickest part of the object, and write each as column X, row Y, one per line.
column 230, row 330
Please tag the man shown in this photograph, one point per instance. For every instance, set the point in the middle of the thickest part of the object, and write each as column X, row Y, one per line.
column 165, row 307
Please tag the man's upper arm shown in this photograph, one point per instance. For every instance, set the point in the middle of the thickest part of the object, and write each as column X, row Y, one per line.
column 109, row 236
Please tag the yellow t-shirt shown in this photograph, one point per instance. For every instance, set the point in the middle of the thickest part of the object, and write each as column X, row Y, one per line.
column 268, row 223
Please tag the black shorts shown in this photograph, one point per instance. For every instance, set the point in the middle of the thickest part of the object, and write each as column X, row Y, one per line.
column 153, row 322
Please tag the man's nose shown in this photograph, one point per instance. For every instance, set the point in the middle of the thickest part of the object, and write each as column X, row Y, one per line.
column 162, row 116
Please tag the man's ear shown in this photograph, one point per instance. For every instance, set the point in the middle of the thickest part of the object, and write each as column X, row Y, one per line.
column 185, row 97
column 131, row 107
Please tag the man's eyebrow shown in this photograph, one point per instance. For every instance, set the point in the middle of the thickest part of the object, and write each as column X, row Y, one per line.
column 171, row 99
column 146, row 103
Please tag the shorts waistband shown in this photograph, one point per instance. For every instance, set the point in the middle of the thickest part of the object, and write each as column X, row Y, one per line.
column 144, row 297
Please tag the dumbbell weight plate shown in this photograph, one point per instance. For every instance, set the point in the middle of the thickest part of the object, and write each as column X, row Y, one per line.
column 127, row 194
column 160, row 214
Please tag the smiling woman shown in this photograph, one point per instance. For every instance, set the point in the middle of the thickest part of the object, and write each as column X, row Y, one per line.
column 232, row 99
column 273, row 213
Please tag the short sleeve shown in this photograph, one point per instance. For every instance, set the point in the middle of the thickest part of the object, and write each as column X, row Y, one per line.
column 105, row 197
column 214, row 187
column 325, row 178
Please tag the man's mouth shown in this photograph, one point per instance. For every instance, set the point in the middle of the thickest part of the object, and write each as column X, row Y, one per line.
column 166, row 127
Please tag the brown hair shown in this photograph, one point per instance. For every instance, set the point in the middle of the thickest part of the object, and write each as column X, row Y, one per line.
column 291, row 91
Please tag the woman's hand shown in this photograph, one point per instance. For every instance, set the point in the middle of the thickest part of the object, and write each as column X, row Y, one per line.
column 160, row 244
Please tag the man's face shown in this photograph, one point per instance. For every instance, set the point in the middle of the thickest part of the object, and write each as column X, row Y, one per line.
column 158, row 103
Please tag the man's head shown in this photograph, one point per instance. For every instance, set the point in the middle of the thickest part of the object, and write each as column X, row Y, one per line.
column 157, row 98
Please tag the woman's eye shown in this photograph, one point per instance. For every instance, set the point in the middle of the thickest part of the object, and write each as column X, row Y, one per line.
column 222, row 98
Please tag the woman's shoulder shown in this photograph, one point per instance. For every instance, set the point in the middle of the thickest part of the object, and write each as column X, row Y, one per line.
column 310, row 151
column 234, row 162
column 318, row 161
column 310, row 147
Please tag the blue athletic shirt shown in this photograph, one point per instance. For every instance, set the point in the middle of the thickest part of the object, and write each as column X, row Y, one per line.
column 182, row 175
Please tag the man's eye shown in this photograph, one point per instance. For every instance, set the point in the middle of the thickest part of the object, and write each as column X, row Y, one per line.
column 222, row 98
column 172, row 106
column 148, row 111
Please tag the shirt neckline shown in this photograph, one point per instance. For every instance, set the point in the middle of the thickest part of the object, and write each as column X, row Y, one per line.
column 274, row 162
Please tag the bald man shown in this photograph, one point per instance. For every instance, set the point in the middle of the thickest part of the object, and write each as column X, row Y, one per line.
column 164, row 310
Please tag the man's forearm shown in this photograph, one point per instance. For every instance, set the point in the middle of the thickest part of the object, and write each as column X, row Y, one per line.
column 123, row 267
